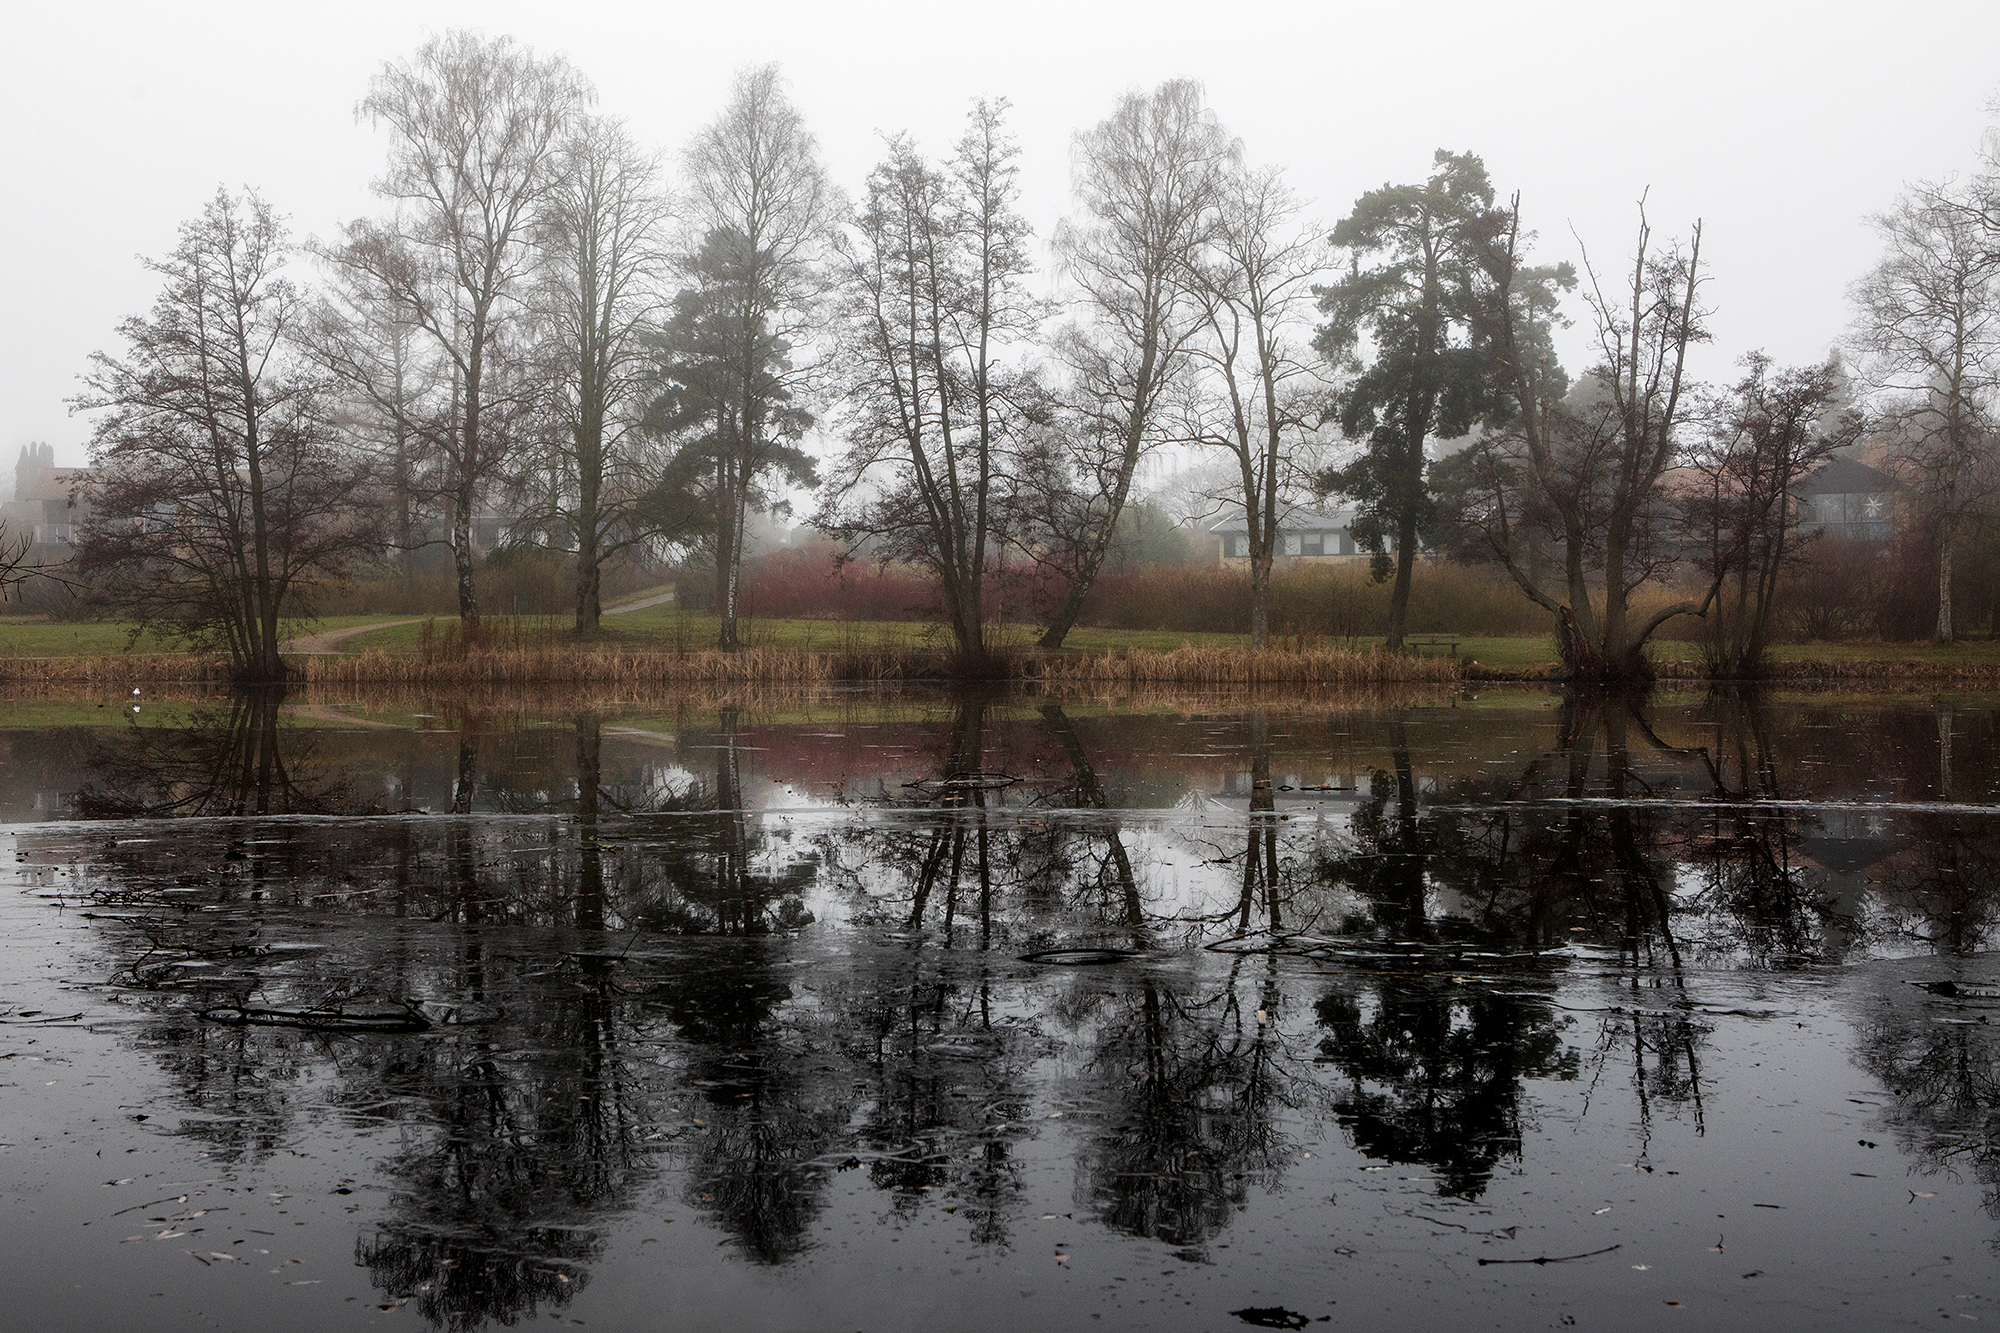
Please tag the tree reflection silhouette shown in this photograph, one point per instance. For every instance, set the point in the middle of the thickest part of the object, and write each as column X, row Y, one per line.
column 1189, row 1091
column 229, row 759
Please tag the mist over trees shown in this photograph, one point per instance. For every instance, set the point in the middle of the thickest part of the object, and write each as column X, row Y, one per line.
column 552, row 340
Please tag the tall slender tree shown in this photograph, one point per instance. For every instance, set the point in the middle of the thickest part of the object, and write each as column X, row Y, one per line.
column 1149, row 180
column 1409, row 301
column 1928, row 333
column 932, row 298
column 477, row 129
column 601, row 293
column 1254, row 392
column 763, row 214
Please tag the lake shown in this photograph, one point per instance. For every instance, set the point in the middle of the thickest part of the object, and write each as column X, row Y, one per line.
column 885, row 1010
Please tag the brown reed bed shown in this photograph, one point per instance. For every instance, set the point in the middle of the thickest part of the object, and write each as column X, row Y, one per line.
column 118, row 669
column 1212, row 668
column 553, row 663
column 556, row 663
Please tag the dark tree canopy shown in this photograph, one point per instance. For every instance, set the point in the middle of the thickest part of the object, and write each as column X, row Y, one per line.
column 1403, row 323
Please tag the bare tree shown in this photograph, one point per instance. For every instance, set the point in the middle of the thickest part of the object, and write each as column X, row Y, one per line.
column 1928, row 334
column 1150, row 181
column 1589, row 467
column 478, row 130
column 932, row 297
column 603, row 256
column 1253, row 393
column 1764, row 436
column 395, row 398
column 763, row 213
column 220, row 491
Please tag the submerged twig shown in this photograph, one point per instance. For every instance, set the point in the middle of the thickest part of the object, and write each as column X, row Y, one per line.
column 1553, row 1259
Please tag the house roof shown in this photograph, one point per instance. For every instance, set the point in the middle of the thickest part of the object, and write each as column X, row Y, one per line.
column 1299, row 520
column 1846, row 476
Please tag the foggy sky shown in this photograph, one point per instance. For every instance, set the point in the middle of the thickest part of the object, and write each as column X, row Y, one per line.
column 1781, row 125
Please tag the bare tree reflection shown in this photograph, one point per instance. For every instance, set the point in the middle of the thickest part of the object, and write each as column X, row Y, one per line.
column 229, row 760
column 1190, row 1091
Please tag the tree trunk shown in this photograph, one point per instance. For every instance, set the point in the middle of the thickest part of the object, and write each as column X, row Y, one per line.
column 461, row 557
column 1260, row 599
column 1399, row 594
column 588, row 579
column 1944, row 582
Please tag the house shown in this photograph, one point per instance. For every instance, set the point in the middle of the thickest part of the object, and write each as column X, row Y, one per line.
column 1303, row 535
column 1847, row 499
column 45, row 508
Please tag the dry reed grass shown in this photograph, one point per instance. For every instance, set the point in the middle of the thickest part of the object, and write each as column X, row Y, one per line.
column 1240, row 667
column 123, row 668
column 561, row 664
column 556, row 663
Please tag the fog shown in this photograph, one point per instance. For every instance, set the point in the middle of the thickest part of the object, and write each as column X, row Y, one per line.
column 1781, row 128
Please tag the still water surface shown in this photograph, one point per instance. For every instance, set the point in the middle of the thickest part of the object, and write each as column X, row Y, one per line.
column 882, row 1013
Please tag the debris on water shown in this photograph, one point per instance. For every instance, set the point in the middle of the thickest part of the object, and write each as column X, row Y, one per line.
column 1952, row 990
column 1079, row 957
column 975, row 781
column 1271, row 1316
column 1554, row 1259
column 352, row 1016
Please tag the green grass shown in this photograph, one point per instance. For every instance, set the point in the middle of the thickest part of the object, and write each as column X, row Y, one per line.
column 34, row 636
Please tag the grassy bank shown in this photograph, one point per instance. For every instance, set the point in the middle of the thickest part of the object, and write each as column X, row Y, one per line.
column 665, row 646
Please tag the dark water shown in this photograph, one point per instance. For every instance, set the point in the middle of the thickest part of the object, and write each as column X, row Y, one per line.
column 921, row 1013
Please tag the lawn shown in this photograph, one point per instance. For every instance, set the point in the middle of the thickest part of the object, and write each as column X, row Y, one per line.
column 36, row 636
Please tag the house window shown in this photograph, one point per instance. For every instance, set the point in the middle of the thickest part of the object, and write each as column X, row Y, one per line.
column 1312, row 544
column 1292, row 546
column 1239, row 545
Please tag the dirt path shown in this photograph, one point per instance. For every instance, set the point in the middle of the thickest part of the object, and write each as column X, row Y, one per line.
column 330, row 640
column 639, row 605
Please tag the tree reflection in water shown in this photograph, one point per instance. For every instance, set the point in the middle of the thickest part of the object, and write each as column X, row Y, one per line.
column 616, row 958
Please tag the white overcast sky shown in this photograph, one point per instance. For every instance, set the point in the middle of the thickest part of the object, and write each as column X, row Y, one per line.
column 1781, row 125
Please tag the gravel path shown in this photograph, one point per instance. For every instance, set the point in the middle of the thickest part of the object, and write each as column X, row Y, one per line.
column 330, row 640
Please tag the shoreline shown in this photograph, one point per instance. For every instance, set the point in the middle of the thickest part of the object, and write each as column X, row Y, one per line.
column 558, row 664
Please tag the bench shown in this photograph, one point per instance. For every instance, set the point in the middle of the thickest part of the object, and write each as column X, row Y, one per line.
column 1449, row 641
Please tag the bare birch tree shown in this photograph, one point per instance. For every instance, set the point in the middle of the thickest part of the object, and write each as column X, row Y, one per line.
column 604, row 264
column 478, row 127
column 220, row 493
column 1149, row 181
column 1928, row 336
column 1255, row 391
